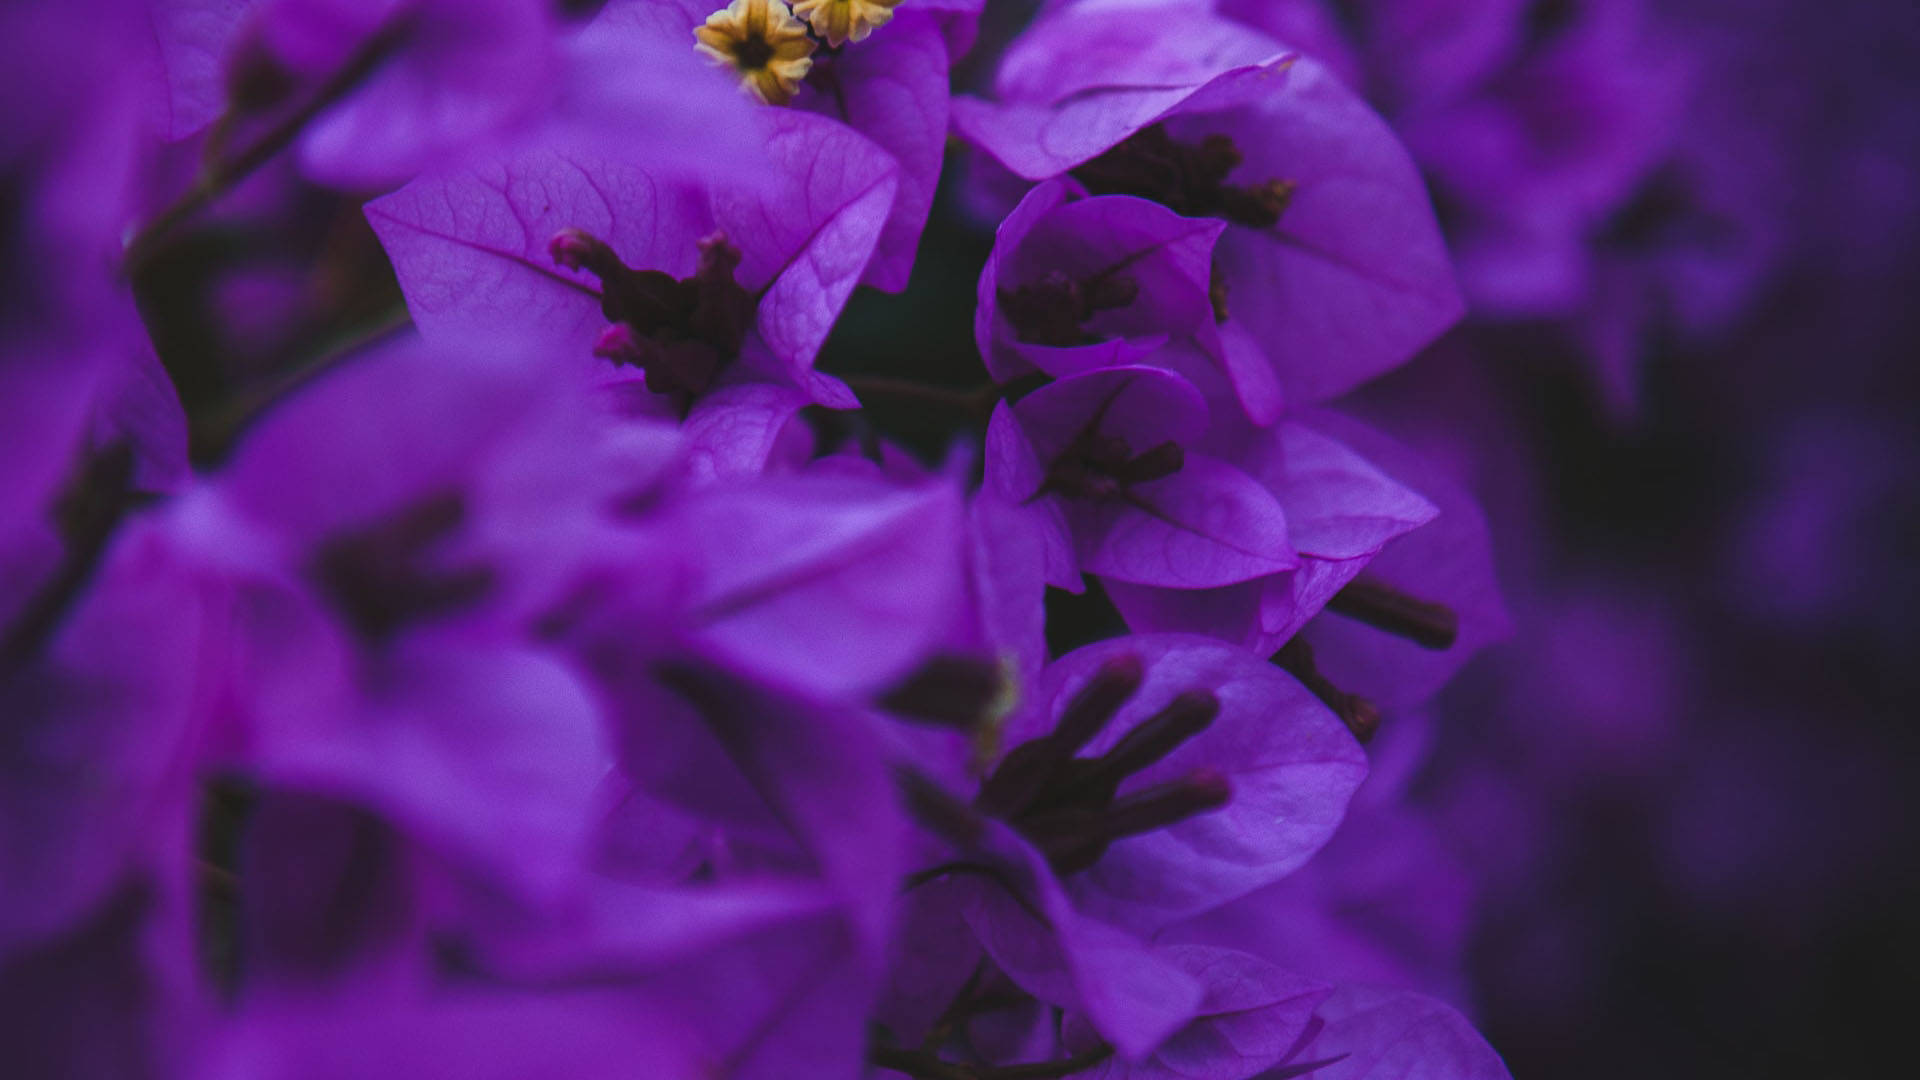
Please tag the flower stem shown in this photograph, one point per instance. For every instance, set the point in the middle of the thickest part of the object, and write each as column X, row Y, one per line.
column 978, row 401
column 222, row 176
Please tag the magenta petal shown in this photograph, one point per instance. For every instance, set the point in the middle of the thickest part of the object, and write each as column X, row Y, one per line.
column 1014, row 475
column 99, row 742
column 377, row 1033
column 1292, row 765
column 489, row 755
column 805, row 243
column 1339, row 506
column 633, row 85
column 806, row 774
column 192, row 37
column 988, row 330
column 468, row 71
column 732, row 430
column 1449, row 561
column 1205, row 526
column 1166, row 257
column 1230, row 613
column 1378, row 1034
column 1143, row 405
column 140, row 405
column 1254, row 1014
column 894, row 91
column 1089, row 48
column 1007, row 566
column 828, row 583
column 1132, row 995
column 1038, row 141
column 1251, row 374
column 1355, row 279
column 762, row 977
column 471, row 248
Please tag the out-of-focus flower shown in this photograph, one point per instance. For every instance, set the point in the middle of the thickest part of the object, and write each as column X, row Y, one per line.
column 1331, row 242
column 890, row 87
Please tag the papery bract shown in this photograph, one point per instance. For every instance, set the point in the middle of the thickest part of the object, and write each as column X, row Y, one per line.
column 442, row 77
column 381, row 569
column 1040, row 300
column 1291, row 764
column 1252, row 1017
column 1449, row 562
column 1130, row 994
column 1091, row 446
column 1349, row 277
column 890, row 87
column 472, row 250
column 1347, row 510
column 1374, row 1034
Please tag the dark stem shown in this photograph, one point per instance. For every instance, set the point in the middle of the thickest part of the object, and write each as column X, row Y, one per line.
column 223, row 176
column 96, row 502
column 1361, row 716
column 956, row 1010
column 1383, row 607
column 978, row 402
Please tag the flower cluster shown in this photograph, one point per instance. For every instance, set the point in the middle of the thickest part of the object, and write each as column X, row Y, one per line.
column 553, row 687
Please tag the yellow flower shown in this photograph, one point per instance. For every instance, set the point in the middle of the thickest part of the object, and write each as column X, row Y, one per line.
column 839, row 20
column 764, row 43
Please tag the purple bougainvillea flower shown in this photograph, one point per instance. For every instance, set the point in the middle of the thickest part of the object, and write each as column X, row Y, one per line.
column 429, row 78
column 78, row 187
column 1374, row 1034
column 100, row 739
column 1254, row 1015
column 383, row 1034
column 1078, row 283
column 1143, row 784
column 1104, row 456
column 889, row 85
column 1386, row 902
column 1340, row 511
column 1554, row 138
column 757, row 978
column 838, row 585
column 1448, row 563
column 1331, row 247
column 116, row 996
column 381, row 565
column 1290, row 763
column 722, row 299
column 1129, row 993
column 190, row 40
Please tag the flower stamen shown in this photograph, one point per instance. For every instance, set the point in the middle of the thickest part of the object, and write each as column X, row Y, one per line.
column 1189, row 180
column 763, row 43
column 840, row 21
